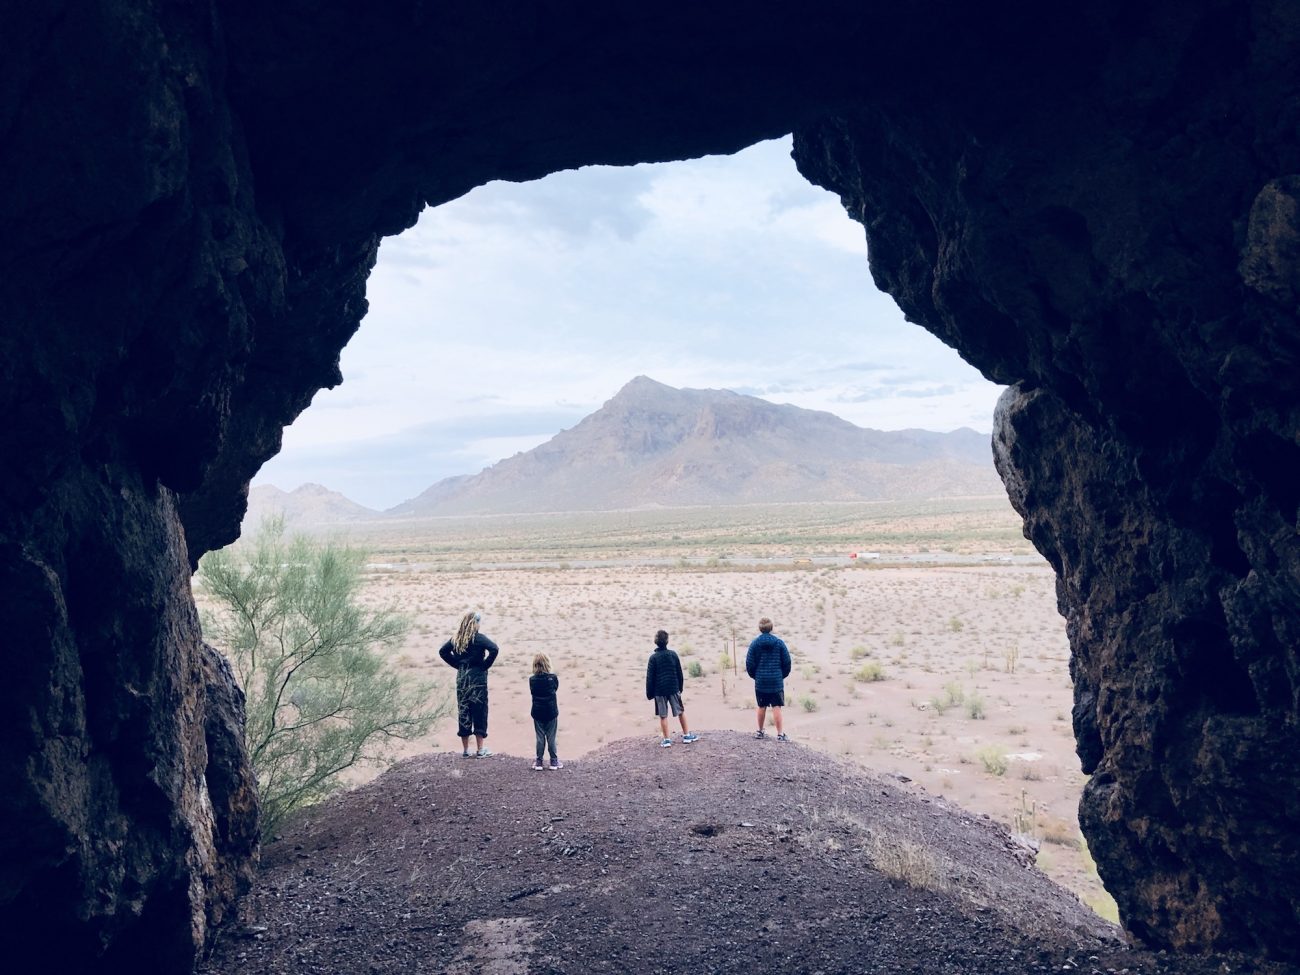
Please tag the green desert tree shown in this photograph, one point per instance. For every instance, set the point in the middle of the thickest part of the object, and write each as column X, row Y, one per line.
column 322, row 693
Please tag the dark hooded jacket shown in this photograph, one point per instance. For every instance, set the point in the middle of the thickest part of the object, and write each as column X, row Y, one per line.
column 768, row 662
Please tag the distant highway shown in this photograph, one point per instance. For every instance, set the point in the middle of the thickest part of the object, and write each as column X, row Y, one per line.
column 793, row 562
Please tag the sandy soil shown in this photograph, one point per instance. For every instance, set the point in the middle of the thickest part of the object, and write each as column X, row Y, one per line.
column 972, row 703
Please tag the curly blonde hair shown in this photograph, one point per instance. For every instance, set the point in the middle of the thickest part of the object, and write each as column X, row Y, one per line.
column 466, row 632
column 541, row 664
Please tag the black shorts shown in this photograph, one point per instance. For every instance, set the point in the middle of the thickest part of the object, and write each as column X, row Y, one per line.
column 770, row 699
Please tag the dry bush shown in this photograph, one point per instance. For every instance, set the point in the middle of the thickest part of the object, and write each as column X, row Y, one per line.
column 869, row 672
column 993, row 760
column 1060, row 832
column 908, row 862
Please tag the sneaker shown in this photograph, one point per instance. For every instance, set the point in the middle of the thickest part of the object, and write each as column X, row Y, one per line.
column 782, row 737
column 556, row 765
column 466, row 755
column 483, row 753
column 760, row 734
column 666, row 743
column 537, row 766
column 688, row 738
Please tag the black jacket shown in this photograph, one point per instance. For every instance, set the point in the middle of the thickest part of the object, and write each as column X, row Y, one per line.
column 472, row 665
column 663, row 674
column 543, row 688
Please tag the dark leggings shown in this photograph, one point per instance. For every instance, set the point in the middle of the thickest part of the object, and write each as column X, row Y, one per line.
column 546, row 737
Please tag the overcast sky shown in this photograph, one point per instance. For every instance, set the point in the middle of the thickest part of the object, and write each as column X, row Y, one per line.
column 509, row 314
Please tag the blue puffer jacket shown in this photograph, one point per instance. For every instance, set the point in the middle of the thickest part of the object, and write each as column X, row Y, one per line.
column 768, row 662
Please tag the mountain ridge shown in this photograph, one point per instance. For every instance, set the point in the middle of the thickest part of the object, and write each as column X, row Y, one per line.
column 654, row 445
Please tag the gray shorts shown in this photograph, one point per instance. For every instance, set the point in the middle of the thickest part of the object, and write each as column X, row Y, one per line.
column 662, row 704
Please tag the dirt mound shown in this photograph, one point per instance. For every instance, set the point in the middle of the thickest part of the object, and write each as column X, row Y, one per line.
column 726, row 855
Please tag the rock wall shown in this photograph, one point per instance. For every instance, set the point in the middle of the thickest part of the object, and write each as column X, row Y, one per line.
column 1097, row 205
column 1120, row 243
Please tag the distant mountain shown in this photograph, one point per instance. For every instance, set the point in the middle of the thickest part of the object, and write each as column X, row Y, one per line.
column 654, row 445
column 305, row 507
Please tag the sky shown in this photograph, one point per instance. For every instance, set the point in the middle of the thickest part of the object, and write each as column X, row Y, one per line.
column 511, row 313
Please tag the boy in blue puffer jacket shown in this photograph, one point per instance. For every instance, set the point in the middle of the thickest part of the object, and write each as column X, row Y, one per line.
column 768, row 663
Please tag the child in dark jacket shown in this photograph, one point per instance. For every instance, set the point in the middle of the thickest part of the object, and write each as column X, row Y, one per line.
column 546, row 710
column 663, row 685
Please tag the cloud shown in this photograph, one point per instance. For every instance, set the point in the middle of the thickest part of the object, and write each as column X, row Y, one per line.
column 590, row 202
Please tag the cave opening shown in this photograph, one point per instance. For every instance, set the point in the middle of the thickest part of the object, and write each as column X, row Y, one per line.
column 1098, row 207
column 728, row 271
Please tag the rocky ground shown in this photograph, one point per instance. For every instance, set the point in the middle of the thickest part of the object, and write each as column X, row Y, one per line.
column 726, row 855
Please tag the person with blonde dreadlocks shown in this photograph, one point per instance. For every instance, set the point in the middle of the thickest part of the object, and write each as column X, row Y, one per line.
column 472, row 654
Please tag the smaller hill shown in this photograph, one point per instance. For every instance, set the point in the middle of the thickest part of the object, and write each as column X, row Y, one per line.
column 308, row 506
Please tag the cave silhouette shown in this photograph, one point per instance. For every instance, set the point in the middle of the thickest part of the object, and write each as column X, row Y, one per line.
column 1099, row 207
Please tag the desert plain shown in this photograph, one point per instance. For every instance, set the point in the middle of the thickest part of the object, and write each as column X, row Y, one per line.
column 936, row 654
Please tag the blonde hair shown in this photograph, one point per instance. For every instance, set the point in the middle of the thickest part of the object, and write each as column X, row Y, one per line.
column 466, row 632
column 541, row 664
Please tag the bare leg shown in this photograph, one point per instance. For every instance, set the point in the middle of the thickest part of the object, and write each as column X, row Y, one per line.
column 682, row 718
column 464, row 743
column 479, row 739
column 776, row 716
column 663, row 726
column 762, row 717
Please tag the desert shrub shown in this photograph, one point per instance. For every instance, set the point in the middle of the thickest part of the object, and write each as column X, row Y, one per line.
column 858, row 652
column 869, row 672
column 808, row 702
column 975, row 706
column 956, row 625
column 1011, row 657
column 1060, row 832
column 1102, row 904
column 993, row 760
column 695, row 669
column 724, row 661
column 322, row 693
column 953, row 695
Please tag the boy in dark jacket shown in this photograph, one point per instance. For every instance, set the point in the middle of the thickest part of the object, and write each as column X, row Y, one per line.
column 546, row 710
column 472, row 654
column 663, row 685
column 768, row 662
